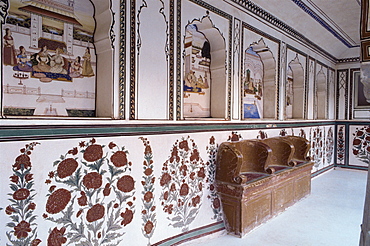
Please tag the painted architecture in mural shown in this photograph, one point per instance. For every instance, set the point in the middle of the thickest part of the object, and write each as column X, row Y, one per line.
column 197, row 74
column 49, row 58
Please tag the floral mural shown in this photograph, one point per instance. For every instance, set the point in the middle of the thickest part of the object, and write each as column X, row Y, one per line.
column 211, row 175
column 21, row 210
column 340, row 145
column 91, row 194
column 182, row 182
column 317, row 146
column 361, row 144
column 329, row 146
column 148, row 211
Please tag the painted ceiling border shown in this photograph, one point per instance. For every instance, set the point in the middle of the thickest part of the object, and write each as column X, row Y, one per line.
column 323, row 23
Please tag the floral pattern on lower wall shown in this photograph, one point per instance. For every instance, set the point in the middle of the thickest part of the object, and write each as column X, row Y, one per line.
column 91, row 195
column 182, row 182
column 341, row 149
column 317, row 146
column 361, row 144
column 329, row 146
column 148, row 211
column 211, row 176
column 24, row 230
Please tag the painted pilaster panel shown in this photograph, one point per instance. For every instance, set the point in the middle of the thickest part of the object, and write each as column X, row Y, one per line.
column 342, row 95
column 311, row 88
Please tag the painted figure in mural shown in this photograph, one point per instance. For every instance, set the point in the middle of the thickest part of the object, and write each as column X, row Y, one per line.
column 57, row 62
column 87, row 70
column 24, row 64
column 9, row 55
column 76, row 68
column 42, row 60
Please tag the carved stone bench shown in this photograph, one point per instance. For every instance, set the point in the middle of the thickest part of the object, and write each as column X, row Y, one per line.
column 257, row 179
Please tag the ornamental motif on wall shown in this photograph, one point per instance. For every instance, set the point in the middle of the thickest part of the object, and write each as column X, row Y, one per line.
column 317, row 146
column 148, row 209
column 182, row 182
column 340, row 145
column 211, row 176
column 91, row 195
column 329, row 146
column 361, row 144
column 21, row 209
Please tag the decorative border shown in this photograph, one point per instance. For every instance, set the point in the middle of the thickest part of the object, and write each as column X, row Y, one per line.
column 266, row 16
column 316, row 17
column 364, row 17
column 365, row 50
column 273, row 39
column 43, row 132
column 351, row 59
column 132, row 60
column 171, row 61
column 122, row 60
column 229, row 59
column 4, row 5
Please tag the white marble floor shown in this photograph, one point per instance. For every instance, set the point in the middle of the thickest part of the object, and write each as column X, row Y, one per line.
column 330, row 216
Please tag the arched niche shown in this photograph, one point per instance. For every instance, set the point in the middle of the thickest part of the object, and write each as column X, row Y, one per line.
column 105, row 59
column 321, row 95
column 269, row 78
column 217, row 83
column 297, row 86
column 252, row 95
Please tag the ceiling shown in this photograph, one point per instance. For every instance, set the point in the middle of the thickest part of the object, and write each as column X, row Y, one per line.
column 334, row 25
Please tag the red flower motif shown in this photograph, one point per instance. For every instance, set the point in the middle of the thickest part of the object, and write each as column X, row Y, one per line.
column 95, row 213
column 148, row 227
column 184, row 145
column 211, row 187
column 195, row 201
column 106, row 190
column 148, row 150
column 57, row 201
column 67, row 167
column 9, row 210
column 356, row 141
column 173, row 187
column 14, row 179
column 216, row 203
column 119, row 159
column 165, row 195
column 22, row 160
column 21, row 194
column 93, row 152
column 194, row 155
column 126, row 183
column 201, row 173
column 168, row 208
column 51, row 175
column 165, row 179
column 130, row 203
column 212, row 140
column 82, row 201
column 82, row 144
column 111, row 145
column 22, row 229
column 92, row 180
column 148, row 196
column 52, row 188
column 56, row 237
column 28, row 177
column 73, row 151
column 184, row 189
column 360, row 133
column 31, row 206
column 35, row 242
column 148, row 171
column 127, row 217
column 355, row 151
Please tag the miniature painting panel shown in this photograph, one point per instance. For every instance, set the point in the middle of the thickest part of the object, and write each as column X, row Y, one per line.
column 49, row 59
